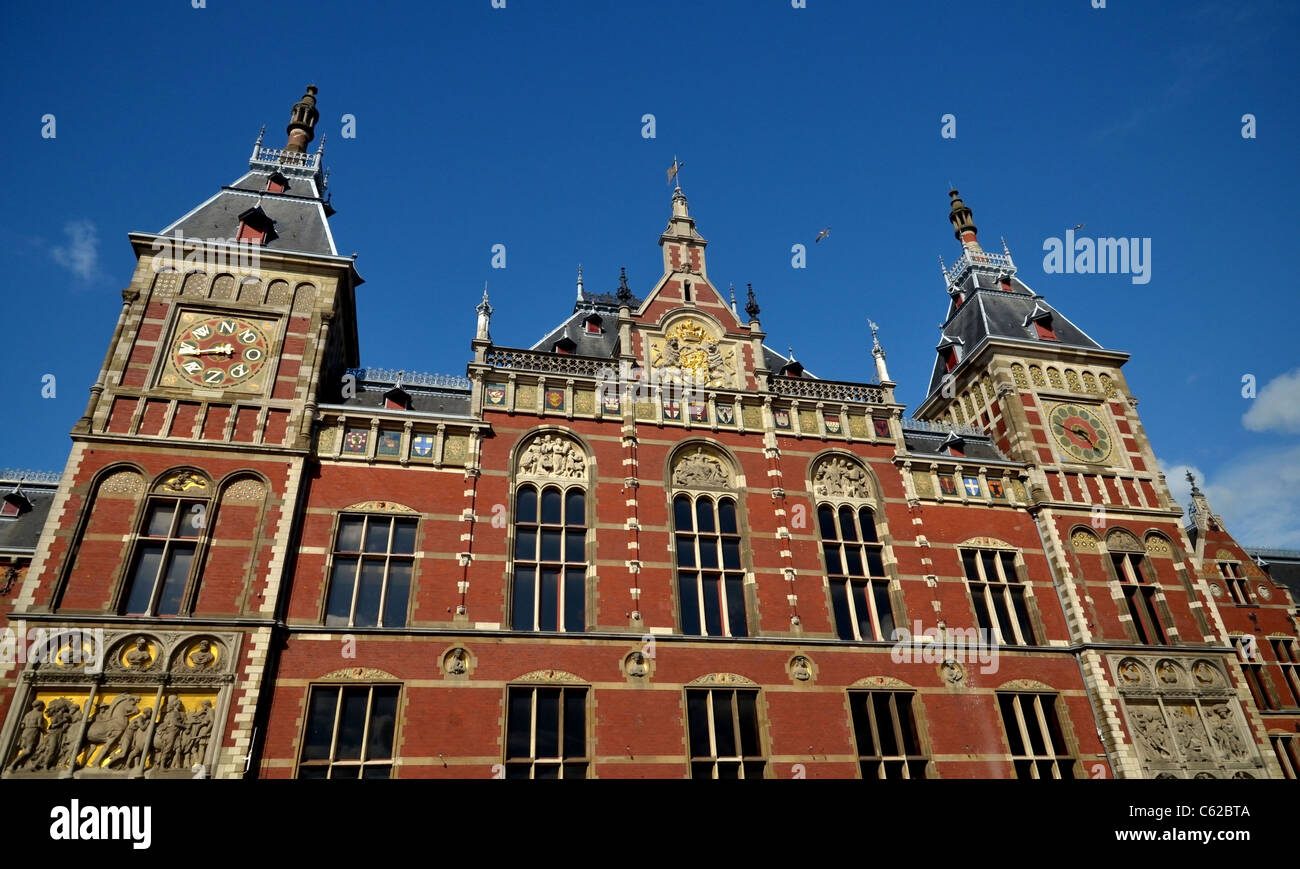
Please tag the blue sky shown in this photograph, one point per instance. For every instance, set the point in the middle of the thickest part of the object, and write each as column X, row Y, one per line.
column 522, row 126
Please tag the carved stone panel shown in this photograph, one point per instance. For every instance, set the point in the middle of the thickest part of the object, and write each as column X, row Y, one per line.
column 841, row 477
column 701, row 468
column 552, row 456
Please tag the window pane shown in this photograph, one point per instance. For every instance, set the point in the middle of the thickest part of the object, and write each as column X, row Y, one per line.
column 884, row 613
column 727, row 516
column 697, row 717
column 526, row 544
column 551, row 504
column 377, row 534
column 853, row 561
column 349, row 539
column 551, row 545
column 712, row 605
column 685, row 551
column 1031, row 722
column 875, row 564
column 159, row 522
column 690, row 603
column 833, row 564
column 724, row 728
column 523, row 599
column 846, row 524
column 548, row 722
column 704, row 516
column 404, row 536
column 373, row 772
column 736, row 605
column 885, row 725
column 178, row 571
column 338, row 610
column 193, row 516
column 575, row 546
column 990, row 565
column 862, row 725
column 519, row 725
column 968, row 564
column 911, row 744
column 682, row 513
column 383, row 720
column 709, row 552
column 575, row 770
column 868, row 525
column 526, row 505
column 840, row 606
column 1007, row 702
column 575, row 511
column 575, row 724
column 858, row 595
column 826, row 521
column 311, row 772
column 746, row 707
column 731, row 554
column 548, row 614
column 399, row 592
column 320, row 724
column 546, row 771
column 372, row 587
column 148, row 561
column 1022, row 614
column 575, row 599
column 352, row 724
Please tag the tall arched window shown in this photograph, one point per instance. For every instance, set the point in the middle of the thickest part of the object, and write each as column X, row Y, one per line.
column 549, row 578
column 707, row 540
column 710, row 581
column 854, row 554
column 162, row 576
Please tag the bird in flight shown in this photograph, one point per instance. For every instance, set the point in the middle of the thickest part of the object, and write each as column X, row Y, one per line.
column 1077, row 227
column 825, row 232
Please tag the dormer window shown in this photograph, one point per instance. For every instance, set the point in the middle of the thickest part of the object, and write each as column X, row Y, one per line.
column 1004, row 281
column 948, row 352
column 14, row 505
column 256, row 226
column 397, row 398
column 565, row 346
column 593, row 324
column 277, row 183
column 1042, row 320
column 954, row 445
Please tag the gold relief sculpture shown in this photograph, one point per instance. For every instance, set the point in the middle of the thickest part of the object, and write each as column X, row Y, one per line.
column 690, row 352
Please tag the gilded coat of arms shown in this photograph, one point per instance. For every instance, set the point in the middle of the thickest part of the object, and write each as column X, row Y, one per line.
column 690, row 353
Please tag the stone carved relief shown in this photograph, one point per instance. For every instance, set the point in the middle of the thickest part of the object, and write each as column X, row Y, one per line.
column 699, row 468
column 880, row 682
column 183, row 481
column 1189, row 734
column 456, row 662
column 1151, row 731
column 723, row 679
column 106, row 723
column 839, row 477
column 1132, row 674
column 553, row 456
column 636, row 665
column 122, row 483
column 549, row 676
column 953, row 673
column 801, row 668
column 1228, row 740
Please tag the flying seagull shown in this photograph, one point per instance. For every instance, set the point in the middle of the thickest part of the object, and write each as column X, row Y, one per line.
column 825, row 232
column 1077, row 227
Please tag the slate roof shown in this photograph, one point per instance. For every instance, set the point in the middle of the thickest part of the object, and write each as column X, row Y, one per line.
column 991, row 312
column 299, row 214
column 926, row 440
column 440, row 394
column 20, row 534
column 1282, row 566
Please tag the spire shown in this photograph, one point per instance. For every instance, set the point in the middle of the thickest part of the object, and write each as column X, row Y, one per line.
column 751, row 306
column 624, row 293
column 579, row 282
column 879, row 353
column 1202, row 516
column 733, row 298
column 302, row 122
column 484, row 316
column 963, row 226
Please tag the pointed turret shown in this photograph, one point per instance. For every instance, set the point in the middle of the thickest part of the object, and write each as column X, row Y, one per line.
column 302, row 122
column 683, row 247
column 963, row 225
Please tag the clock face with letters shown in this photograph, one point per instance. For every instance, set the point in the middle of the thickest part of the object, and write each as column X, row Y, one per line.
column 1080, row 433
column 214, row 351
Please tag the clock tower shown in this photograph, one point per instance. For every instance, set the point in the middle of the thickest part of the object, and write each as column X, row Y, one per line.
column 1054, row 399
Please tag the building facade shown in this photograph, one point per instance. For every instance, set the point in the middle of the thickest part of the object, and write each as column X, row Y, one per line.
column 647, row 545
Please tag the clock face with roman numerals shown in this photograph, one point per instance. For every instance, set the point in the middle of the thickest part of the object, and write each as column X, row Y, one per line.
column 1080, row 433
column 219, row 352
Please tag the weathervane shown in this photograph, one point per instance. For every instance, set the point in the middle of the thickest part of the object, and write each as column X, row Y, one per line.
column 675, row 170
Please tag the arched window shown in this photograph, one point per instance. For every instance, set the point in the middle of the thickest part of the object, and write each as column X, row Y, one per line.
column 162, row 579
column 855, row 568
column 370, row 576
column 710, row 581
column 550, row 558
column 1127, row 558
column 854, row 555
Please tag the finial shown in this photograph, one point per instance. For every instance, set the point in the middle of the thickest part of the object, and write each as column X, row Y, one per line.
column 624, row 293
column 674, row 171
column 790, row 351
column 875, row 340
column 579, row 282
column 260, row 134
column 1006, row 250
column 751, row 306
column 964, row 229
column 1191, row 478
column 733, row 297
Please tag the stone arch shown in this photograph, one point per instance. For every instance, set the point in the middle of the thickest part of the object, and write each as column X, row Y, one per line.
column 1054, row 379
column 1121, row 540
column 223, row 287
column 552, row 453
column 304, row 297
column 278, row 293
column 195, row 284
column 702, row 463
column 1025, row 685
column 1158, row 545
column 251, row 291
column 1018, row 376
column 1083, row 539
column 881, row 682
column 839, row 475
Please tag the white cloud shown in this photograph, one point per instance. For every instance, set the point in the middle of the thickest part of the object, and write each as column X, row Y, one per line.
column 1277, row 406
column 81, row 253
column 1257, row 494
